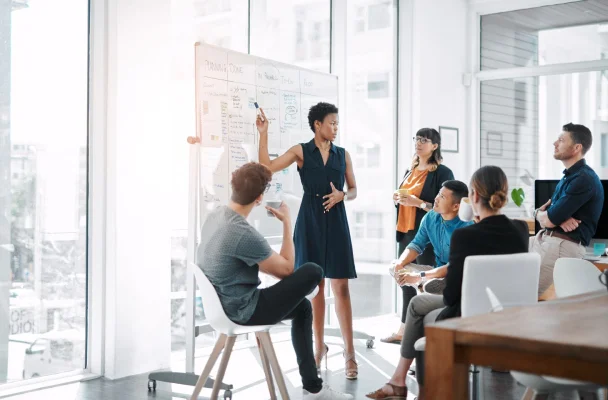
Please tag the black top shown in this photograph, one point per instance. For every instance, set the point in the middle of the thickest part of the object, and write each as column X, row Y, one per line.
column 432, row 186
column 492, row 236
column 578, row 194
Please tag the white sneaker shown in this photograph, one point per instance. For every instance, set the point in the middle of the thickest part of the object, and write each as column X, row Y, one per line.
column 326, row 393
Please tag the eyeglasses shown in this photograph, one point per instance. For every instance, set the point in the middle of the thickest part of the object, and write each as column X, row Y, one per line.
column 421, row 140
column 267, row 188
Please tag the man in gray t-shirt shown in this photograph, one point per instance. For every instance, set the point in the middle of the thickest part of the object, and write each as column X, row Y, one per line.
column 232, row 253
column 229, row 253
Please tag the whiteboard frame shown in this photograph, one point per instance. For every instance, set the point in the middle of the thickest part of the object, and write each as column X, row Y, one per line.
column 194, row 223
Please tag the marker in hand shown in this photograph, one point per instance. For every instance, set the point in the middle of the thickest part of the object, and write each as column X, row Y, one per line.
column 257, row 108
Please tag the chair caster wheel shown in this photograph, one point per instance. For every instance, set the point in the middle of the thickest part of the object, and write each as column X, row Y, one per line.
column 228, row 395
column 370, row 343
column 151, row 385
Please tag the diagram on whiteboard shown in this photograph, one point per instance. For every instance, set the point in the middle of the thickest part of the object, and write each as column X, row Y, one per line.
column 227, row 86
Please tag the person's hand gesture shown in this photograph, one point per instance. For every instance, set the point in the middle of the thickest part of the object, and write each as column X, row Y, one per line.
column 333, row 198
column 409, row 279
column 280, row 213
column 570, row 224
column 261, row 122
column 544, row 206
column 409, row 200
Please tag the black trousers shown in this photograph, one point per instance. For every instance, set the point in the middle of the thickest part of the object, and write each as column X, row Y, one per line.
column 426, row 258
column 286, row 300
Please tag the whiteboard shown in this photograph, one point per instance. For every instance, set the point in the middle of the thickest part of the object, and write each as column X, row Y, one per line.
column 227, row 85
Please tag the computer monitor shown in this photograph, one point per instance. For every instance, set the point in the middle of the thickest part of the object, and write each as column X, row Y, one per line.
column 543, row 190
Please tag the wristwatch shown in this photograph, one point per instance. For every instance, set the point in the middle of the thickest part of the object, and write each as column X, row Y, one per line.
column 423, row 276
column 423, row 205
column 535, row 213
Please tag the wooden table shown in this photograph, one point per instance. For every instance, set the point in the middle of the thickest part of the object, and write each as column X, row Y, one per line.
column 602, row 264
column 563, row 338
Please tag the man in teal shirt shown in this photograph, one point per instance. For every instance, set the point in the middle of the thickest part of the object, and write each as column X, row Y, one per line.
column 436, row 228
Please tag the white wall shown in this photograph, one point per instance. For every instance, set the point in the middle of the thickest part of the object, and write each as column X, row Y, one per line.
column 138, row 180
column 439, row 97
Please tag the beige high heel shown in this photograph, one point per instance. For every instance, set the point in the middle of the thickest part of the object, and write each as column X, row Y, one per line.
column 351, row 373
column 319, row 357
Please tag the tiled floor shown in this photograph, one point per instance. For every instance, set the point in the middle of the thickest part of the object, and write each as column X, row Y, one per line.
column 246, row 374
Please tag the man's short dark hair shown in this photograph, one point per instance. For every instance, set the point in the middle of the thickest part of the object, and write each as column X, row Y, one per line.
column 580, row 134
column 459, row 189
column 318, row 112
column 249, row 182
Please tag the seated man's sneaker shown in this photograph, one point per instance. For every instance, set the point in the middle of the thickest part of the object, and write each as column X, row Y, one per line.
column 326, row 393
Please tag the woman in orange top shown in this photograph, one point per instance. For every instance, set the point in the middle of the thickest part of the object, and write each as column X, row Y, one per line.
column 423, row 181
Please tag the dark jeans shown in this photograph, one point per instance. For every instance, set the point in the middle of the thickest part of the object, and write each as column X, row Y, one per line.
column 426, row 258
column 286, row 300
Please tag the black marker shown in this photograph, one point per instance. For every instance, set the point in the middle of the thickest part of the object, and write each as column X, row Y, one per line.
column 258, row 110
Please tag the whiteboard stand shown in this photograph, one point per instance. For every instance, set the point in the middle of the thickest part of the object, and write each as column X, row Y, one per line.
column 189, row 378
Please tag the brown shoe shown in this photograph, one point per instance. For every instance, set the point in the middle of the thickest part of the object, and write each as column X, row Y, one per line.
column 393, row 338
column 399, row 393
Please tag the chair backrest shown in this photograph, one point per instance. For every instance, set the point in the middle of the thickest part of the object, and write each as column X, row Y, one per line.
column 572, row 276
column 214, row 312
column 512, row 277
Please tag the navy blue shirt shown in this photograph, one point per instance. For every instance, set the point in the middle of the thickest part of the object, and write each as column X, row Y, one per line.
column 578, row 194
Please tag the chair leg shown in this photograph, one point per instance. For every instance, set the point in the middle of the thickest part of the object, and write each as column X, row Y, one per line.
column 217, row 349
column 266, row 367
column 223, row 364
column 476, row 390
column 274, row 363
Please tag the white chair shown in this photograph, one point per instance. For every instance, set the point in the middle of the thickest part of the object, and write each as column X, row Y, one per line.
column 511, row 277
column 228, row 331
column 571, row 277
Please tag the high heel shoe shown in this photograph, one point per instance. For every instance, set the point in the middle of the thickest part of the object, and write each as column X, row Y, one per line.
column 319, row 357
column 351, row 373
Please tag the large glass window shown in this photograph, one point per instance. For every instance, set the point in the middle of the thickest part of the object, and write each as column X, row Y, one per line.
column 369, row 135
column 521, row 118
column 43, row 187
column 292, row 32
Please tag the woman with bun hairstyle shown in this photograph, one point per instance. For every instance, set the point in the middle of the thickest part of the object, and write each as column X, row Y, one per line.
column 494, row 234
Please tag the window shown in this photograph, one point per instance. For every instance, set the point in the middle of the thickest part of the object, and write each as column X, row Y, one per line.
column 368, row 155
column 374, row 225
column 561, row 33
column 379, row 16
column 301, row 35
column 377, row 86
column 604, row 150
column 370, row 120
column 43, row 185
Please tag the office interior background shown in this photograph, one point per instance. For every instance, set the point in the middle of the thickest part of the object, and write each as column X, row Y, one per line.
column 97, row 99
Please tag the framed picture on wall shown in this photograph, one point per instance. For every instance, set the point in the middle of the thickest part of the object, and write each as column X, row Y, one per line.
column 449, row 139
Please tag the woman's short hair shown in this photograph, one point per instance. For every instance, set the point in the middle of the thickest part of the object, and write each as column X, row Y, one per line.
column 249, row 182
column 491, row 184
column 318, row 112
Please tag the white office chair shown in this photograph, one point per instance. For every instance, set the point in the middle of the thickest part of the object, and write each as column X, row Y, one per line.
column 228, row 331
column 512, row 277
column 571, row 277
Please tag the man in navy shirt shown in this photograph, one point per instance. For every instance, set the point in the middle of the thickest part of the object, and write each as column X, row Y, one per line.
column 570, row 217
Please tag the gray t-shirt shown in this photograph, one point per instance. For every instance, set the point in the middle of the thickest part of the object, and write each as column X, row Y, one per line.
column 228, row 254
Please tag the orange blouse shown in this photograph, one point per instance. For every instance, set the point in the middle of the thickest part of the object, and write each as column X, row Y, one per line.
column 407, row 214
